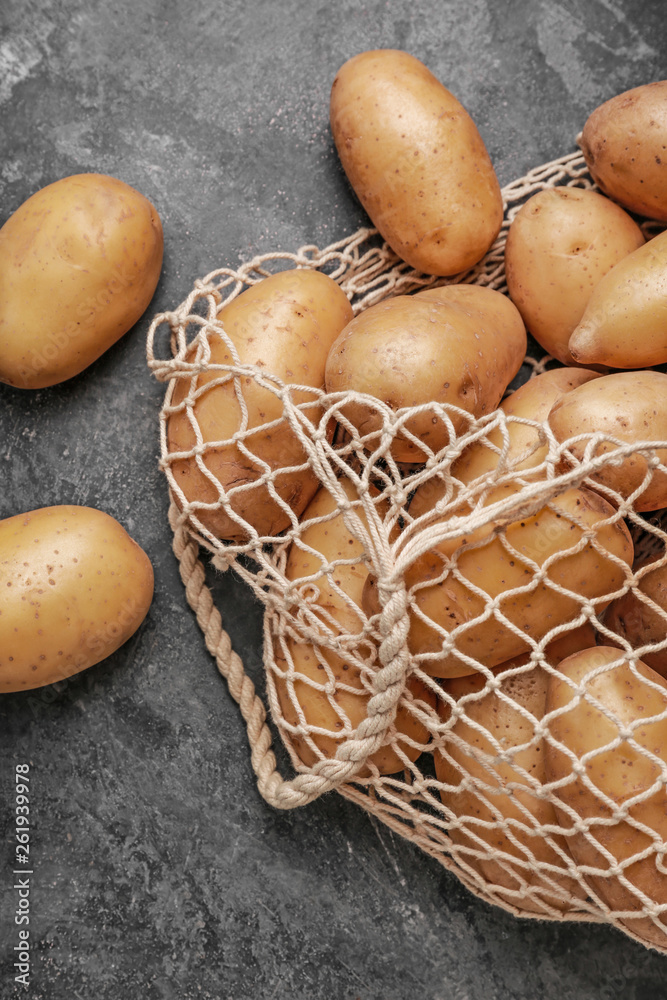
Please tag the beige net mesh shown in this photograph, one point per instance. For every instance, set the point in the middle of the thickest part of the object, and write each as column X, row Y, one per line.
column 401, row 670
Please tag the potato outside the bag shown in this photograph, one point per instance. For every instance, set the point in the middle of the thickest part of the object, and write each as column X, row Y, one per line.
column 285, row 325
column 416, row 161
column 610, row 727
column 329, row 689
column 79, row 263
column 73, row 588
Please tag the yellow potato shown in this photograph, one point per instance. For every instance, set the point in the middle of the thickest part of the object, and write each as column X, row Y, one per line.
column 559, row 245
column 416, row 161
column 619, row 775
column 508, row 836
column 461, row 344
column 331, row 691
column 531, row 401
column 284, row 324
column 79, row 262
column 624, row 142
column 625, row 322
column 75, row 587
column 642, row 623
column 444, row 601
column 630, row 406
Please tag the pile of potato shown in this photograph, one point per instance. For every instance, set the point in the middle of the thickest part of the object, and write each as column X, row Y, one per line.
column 378, row 454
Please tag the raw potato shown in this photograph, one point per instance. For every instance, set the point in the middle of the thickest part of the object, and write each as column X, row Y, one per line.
column 625, row 322
column 620, row 774
column 416, row 161
column 630, row 406
column 460, row 344
column 559, row 246
column 285, row 324
column 79, row 263
column 75, row 587
column 341, row 710
column 449, row 602
column 624, row 143
column 525, row 449
column 505, row 817
column 639, row 622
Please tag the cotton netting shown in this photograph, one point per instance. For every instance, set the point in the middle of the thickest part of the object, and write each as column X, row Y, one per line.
column 381, row 677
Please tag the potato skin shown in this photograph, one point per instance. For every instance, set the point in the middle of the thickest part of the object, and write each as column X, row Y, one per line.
column 75, row 587
column 285, row 324
column 533, row 401
column 620, row 773
column 624, row 144
column 624, row 324
column 631, row 407
column 490, row 721
column 450, row 602
column 79, row 263
column 639, row 624
column 460, row 344
column 416, row 161
column 559, row 245
column 339, row 606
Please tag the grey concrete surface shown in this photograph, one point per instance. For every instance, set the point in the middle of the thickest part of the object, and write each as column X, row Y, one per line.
column 159, row 872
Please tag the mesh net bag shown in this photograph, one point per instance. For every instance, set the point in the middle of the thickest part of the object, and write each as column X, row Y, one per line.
column 414, row 621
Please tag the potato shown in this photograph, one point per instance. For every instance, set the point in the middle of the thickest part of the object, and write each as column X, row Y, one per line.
column 461, row 344
column 444, row 601
column 75, row 588
column 627, row 777
column 507, row 824
column 630, row 406
column 525, row 449
column 285, row 324
column 624, row 142
column 330, row 691
column 642, row 621
column 79, row 263
column 416, row 161
column 625, row 322
column 559, row 245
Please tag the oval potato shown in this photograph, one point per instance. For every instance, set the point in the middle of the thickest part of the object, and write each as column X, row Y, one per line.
column 75, row 587
column 624, row 142
column 416, row 161
column 629, row 406
column 285, row 325
column 624, row 324
column 642, row 621
column 622, row 776
column 331, row 691
column 559, row 245
column 525, row 449
column 79, row 263
column 460, row 345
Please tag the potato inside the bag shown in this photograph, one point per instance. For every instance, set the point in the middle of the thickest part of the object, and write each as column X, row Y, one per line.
column 251, row 472
column 323, row 688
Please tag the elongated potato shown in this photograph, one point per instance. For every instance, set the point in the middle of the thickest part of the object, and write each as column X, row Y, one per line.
column 624, row 142
column 508, row 834
column 416, row 161
column 325, row 692
column 559, row 245
column 79, row 263
column 620, row 783
column 285, row 325
column 460, row 344
column 448, row 599
column 642, row 620
column 624, row 324
column 75, row 587
column 629, row 406
column 525, row 449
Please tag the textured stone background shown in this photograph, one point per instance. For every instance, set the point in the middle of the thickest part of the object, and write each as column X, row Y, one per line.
column 159, row 871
